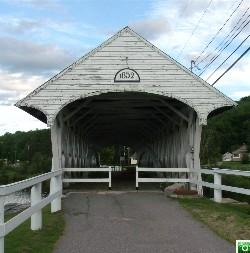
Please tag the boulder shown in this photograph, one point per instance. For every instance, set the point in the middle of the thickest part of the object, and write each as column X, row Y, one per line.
column 170, row 190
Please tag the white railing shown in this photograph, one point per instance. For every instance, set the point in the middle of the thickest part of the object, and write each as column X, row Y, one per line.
column 217, row 186
column 89, row 180
column 162, row 179
column 37, row 202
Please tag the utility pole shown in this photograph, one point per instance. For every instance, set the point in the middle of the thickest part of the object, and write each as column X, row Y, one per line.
column 192, row 65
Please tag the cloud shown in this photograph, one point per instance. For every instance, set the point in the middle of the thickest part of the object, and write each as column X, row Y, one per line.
column 152, row 28
column 26, row 56
column 11, row 116
column 235, row 83
column 14, row 86
column 187, row 8
column 46, row 26
column 41, row 4
column 6, row 96
column 239, row 94
column 16, row 26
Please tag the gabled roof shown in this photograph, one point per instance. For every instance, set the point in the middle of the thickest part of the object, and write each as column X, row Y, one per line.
column 148, row 55
column 241, row 149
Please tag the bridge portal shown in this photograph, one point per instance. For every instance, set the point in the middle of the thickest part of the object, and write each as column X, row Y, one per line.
column 126, row 91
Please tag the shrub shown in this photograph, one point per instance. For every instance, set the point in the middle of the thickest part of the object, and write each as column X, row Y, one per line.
column 245, row 159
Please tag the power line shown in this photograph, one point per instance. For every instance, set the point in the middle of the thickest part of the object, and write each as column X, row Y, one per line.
column 228, row 57
column 219, row 30
column 227, row 43
column 230, row 34
column 230, row 67
column 195, row 28
column 184, row 8
column 222, row 49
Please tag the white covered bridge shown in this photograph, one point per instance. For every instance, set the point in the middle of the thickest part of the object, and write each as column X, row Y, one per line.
column 127, row 92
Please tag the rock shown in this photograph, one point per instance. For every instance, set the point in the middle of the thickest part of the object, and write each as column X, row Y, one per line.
column 169, row 190
column 15, row 208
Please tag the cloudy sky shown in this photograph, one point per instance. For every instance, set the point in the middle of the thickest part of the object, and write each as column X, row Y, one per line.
column 40, row 37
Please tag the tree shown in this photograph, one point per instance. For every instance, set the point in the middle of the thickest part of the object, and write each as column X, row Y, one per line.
column 226, row 132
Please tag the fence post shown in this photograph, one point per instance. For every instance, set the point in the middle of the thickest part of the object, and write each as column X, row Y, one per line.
column 1, row 223
column 110, row 178
column 136, row 178
column 36, row 197
column 217, row 192
column 55, row 186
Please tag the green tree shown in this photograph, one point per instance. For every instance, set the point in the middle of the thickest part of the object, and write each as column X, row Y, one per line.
column 226, row 132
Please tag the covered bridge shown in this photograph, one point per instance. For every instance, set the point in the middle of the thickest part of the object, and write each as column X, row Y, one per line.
column 126, row 91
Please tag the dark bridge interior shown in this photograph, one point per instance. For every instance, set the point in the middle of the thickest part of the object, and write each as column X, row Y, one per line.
column 146, row 122
column 124, row 118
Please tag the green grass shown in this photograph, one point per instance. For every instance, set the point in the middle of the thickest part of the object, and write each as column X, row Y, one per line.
column 230, row 221
column 231, row 180
column 235, row 166
column 24, row 240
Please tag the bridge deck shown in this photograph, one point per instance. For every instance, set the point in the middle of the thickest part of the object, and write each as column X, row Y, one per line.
column 127, row 222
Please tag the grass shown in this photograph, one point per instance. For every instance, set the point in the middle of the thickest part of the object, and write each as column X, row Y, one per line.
column 231, row 180
column 24, row 240
column 230, row 221
column 235, row 166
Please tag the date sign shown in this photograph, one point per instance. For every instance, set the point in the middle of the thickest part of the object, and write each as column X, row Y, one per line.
column 127, row 75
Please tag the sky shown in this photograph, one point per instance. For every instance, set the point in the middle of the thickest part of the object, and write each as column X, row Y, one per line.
column 38, row 38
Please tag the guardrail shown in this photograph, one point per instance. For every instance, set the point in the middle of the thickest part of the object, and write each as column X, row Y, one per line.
column 162, row 179
column 37, row 202
column 217, row 186
column 89, row 180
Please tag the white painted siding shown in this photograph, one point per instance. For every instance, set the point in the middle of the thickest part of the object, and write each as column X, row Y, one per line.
column 95, row 73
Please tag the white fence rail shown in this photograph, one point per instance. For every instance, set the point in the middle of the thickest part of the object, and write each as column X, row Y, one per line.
column 162, row 179
column 217, row 186
column 89, row 180
column 37, row 202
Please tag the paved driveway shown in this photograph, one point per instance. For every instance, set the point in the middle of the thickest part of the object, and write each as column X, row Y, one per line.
column 143, row 222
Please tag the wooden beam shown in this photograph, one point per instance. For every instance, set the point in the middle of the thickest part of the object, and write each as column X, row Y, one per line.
column 77, row 110
column 81, row 117
column 159, row 119
column 167, row 116
column 175, row 110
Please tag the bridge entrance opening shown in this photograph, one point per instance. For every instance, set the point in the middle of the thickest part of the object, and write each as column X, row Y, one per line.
column 122, row 160
column 150, row 130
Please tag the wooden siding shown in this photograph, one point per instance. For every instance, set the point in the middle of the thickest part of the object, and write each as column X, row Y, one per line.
column 94, row 74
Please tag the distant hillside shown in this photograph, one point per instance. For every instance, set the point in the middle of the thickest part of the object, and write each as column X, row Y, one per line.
column 32, row 149
column 226, row 132
column 24, row 145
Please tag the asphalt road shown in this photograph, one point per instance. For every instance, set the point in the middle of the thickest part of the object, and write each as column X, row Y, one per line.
column 143, row 222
